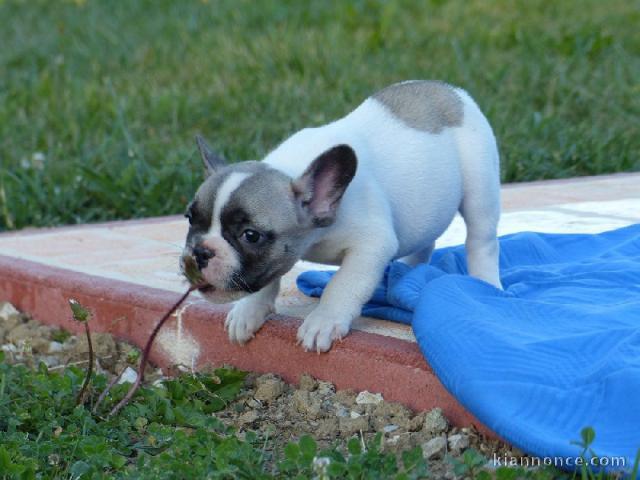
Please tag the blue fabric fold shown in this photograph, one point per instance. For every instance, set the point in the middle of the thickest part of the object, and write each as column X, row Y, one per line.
column 557, row 350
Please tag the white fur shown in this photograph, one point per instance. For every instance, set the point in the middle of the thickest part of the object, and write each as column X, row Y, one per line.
column 408, row 186
column 226, row 261
column 230, row 185
column 248, row 315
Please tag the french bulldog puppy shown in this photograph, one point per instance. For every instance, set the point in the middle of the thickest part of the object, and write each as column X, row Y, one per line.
column 382, row 183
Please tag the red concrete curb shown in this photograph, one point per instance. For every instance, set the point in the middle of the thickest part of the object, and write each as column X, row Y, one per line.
column 362, row 361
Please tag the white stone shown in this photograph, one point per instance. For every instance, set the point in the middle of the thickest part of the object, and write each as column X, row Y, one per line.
column 434, row 447
column 393, row 440
column 367, row 398
column 7, row 310
column 390, row 428
column 341, row 411
column 129, row 375
column 50, row 360
column 457, row 443
column 56, row 347
column 325, row 388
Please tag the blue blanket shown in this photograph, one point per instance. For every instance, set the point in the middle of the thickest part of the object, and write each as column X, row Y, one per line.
column 557, row 350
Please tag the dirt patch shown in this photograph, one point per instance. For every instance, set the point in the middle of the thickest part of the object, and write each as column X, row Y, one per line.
column 24, row 340
column 277, row 410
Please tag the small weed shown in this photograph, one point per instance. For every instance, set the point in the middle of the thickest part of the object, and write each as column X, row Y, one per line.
column 60, row 335
column 361, row 460
column 471, row 464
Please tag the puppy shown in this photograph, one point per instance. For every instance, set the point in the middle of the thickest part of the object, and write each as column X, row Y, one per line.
column 382, row 183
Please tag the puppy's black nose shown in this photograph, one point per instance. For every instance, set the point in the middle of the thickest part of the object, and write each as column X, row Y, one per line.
column 202, row 256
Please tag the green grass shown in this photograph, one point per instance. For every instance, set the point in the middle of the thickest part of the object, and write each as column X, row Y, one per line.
column 166, row 432
column 171, row 432
column 112, row 93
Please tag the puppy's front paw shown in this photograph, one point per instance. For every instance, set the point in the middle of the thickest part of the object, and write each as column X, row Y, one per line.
column 319, row 330
column 245, row 319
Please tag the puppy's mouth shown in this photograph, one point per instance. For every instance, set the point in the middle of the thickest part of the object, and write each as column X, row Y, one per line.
column 194, row 276
column 206, row 288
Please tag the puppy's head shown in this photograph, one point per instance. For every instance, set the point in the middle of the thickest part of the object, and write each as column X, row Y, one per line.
column 250, row 223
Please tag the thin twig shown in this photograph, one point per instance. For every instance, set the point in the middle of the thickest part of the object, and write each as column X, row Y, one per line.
column 79, row 362
column 87, row 379
column 104, row 393
column 147, row 350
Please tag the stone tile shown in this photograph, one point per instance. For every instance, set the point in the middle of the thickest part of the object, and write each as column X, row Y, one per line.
column 628, row 209
column 524, row 196
column 172, row 232
column 158, row 272
column 67, row 242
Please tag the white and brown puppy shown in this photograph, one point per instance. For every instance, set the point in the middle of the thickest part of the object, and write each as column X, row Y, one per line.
column 382, row 183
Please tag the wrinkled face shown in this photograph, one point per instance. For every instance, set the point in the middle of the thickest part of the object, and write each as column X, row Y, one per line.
column 250, row 223
column 245, row 230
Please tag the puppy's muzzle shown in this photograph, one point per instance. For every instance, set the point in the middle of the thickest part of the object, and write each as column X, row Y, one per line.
column 202, row 255
column 190, row 264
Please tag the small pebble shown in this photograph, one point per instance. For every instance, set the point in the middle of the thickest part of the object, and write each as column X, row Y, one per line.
column 351, row 426
column 307, row 382
column 50, row 360
column 435, row 422
column 129, row 375
column 306, row 404
column 327, row 427
column 393, row 440
column 341, row 411
column 434, row 447
column 325, row 388
column 55, row 347
column 368, row 398
column 390, row 428
column 346, row 397
column 269, row 388
column 457, row 443
column 247, row 417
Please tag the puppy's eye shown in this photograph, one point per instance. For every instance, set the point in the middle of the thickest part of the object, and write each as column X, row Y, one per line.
column 251, row 236
column 190, row 213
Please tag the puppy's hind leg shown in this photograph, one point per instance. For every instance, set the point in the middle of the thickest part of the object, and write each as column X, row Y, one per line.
column 421, row 256
column 480, row 205
column 481, row 214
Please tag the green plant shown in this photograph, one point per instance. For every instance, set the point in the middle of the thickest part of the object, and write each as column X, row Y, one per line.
column 590, row 461
column 60, row 335
column 171, row 431
column 82, row 315
column 471, row 464
column 362, row 460
column 44, row 433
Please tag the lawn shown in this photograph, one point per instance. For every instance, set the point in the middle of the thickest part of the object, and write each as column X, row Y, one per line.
column 100, row 100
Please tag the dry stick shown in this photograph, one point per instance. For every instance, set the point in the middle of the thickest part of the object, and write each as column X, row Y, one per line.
column 106, row 390
column 87, row 379
column 147, row 350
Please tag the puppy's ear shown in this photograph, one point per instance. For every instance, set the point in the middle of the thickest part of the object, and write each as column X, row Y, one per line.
column 212, row 161
column 320, row 188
